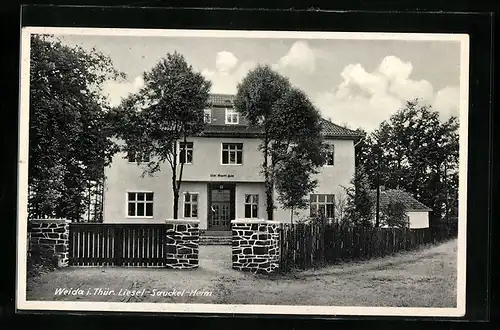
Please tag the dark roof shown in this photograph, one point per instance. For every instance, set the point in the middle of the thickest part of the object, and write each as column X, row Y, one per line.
column 331, row 129
column 221, row 102
column 397, row 195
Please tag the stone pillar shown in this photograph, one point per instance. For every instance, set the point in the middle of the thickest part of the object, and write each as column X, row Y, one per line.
column 256, row 245
column 51, row 235
column 182, row 243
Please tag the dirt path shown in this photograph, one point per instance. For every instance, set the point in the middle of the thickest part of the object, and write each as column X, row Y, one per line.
column 424, row 278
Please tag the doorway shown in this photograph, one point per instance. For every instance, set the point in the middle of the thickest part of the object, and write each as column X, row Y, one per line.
column 221, row 206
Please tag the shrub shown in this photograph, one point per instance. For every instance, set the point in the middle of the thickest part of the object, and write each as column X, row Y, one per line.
column 40, row 261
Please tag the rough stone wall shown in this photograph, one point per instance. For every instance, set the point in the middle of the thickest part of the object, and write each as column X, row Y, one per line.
column 256, row 246
column 182, row 244
column 51, row 235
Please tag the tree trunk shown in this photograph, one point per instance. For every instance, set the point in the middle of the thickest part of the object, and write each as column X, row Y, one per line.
column 291, row 216
column 268, row 182
column 176, row 205
column 176, row 194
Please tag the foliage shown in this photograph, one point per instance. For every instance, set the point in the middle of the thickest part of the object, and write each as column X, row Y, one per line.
column 419, row 154
column 40, row 261
column 69, row 140
column 394, row 215
column 293, row 182
column 341, row 207
column 359, row 209
column 169, row 108
column 291, row 126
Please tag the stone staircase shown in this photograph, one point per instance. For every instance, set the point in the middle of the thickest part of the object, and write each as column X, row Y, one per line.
column 216, row 238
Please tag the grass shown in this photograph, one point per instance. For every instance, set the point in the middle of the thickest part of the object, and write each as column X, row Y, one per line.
column 424, row 278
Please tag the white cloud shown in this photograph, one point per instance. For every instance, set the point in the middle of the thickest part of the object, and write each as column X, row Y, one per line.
column 300, row 57
column 115, row 91
column 227, row 73
column 447, row 102
column 225, row 61
column 364, row 99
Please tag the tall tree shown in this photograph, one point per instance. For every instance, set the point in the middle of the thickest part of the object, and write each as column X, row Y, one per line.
column 359, row 210
column 167, row 110
column 69, row 141
column 419, row 155
column 293, row 178
column 288, row 120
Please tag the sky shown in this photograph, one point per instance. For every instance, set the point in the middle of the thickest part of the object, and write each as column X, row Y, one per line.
column 358, row 83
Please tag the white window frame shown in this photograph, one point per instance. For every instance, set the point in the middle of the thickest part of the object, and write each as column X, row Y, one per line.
column 229, row 152
column 184, row 202
column 252, row 202
column 136, row 202
column 231, row 113
column 209, row 112
column 185, row 155
column 331, row 151
column 322, row 204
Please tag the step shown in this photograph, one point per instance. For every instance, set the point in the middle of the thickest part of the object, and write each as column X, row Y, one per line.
column 215, row 240
column 215, row 233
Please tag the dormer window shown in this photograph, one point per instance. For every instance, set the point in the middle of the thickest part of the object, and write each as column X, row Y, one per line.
column 207, row 116
column 232, row 117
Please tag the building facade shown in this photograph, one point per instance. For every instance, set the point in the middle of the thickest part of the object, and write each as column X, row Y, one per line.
column 222, row 178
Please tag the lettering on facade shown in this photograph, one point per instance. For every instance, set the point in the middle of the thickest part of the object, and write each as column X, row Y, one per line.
column 219, row 175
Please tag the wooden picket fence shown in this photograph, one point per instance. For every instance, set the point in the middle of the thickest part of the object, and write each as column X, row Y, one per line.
column 132, row 245
column 305, row 246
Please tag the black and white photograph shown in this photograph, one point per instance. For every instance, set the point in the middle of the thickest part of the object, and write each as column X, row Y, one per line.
column 227, row 171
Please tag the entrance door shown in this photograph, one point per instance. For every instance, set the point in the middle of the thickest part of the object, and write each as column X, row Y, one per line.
column 220, row 206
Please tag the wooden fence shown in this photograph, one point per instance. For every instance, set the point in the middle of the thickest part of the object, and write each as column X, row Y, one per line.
column 133, row 245
column 305, row 246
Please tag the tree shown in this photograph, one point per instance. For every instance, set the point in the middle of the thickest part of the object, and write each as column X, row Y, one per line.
column 359, row 211
column 294, row 182
column 289, row 123
column 394, row 215
column 341, row 207
column 419, row 155
column 69, row 141
column 167, row 110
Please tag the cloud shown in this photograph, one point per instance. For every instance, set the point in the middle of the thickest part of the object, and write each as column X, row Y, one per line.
column 447, row 102
column 300, row 57
column 225, row 61
column 364, row 99
column 227, row 73
column 115, row 91
column 228, row 70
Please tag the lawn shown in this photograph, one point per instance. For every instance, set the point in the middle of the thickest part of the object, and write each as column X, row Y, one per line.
column 425, row 278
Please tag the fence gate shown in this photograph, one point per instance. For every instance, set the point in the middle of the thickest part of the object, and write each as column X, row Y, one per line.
column 133, row 245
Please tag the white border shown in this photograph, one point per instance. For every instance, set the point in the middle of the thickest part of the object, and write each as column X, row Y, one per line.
column 21, row 302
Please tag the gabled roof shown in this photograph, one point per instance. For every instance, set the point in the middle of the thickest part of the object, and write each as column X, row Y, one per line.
column 220, row 102
column 396, row 195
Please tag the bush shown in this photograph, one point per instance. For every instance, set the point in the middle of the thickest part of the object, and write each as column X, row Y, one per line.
column 40, row 261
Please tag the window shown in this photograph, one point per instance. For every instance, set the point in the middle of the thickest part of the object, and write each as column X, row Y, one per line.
column 190, row 205
column 232, row 153
column 207, row 116
column 140, row 204
column 330, row 155
column 251, row 206
column 137, row 157
column 232, row 117
column 322, row 205
column 186, row 156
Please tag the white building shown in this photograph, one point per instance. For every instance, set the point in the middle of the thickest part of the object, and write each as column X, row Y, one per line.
column 222, row 177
